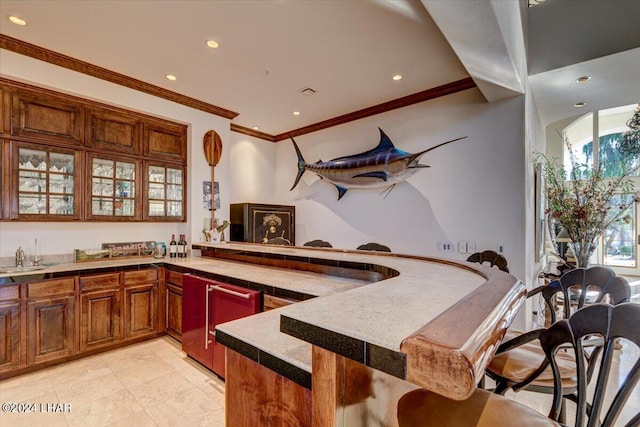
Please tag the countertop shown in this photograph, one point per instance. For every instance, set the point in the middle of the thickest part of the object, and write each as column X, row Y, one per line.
column 455, row 311
column 383, row 310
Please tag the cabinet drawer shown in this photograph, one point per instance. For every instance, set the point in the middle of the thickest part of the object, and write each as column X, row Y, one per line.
column 142, row 276
column 51, row 287
column 271, row 302
column 8, row 292
column 174, row 278
column 100, row 281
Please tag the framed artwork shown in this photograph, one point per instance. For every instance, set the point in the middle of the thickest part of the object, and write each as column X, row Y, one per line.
column 206, row 195
column 540, row 207
column 262, row 223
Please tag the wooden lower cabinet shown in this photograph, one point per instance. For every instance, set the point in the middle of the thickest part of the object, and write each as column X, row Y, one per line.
column 140, row 310
column 140, row 303
column 51, row 329
column 174, row 311
column 100, row 318
column 9, row 335
column 257, row 396
column 173, row 304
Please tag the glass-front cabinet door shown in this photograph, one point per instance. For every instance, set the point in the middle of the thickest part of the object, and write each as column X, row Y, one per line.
column 45, row 183
column 165, row 193
column 113, row 189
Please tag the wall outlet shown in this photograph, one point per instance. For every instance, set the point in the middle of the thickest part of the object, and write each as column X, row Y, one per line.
column 445, row 246
column 462, row 247
column 500, row 248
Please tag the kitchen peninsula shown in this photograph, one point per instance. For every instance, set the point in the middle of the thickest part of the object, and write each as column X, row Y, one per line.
column 392, row 321
column 422, row 322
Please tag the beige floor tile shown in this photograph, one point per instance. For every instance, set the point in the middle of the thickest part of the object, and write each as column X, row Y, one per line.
column 125, row 357
column 143, row 372
column 210, row 420
column 86, row 391
column 161, row 388
column 179, row 408
column 38, row 414
column 80, row 370
column 23, row 387
column 106, row 410
column 139, row 419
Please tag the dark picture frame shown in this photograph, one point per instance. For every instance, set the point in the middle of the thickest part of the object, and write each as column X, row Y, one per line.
column 263, row 223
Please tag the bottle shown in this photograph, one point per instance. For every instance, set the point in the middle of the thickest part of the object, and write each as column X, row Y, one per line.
column 182, row 247
column 173, row 247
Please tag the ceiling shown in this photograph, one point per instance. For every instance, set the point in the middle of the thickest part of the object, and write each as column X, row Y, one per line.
column 346, row 51
column 598, row 39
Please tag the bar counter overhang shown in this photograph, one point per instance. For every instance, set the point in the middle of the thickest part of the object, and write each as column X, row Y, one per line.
column 432, row 322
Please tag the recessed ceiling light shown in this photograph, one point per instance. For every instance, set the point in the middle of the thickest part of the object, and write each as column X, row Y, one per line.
column 17, row 21
column 397, row 77
column 583, row 79
column 256, row 128
column 579, row 104
column 296, row 113
column 171, row 77
column 213, row 44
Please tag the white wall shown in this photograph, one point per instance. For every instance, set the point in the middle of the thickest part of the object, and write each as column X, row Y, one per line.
column 62, row 238
column 474, row 190
column 251, row 175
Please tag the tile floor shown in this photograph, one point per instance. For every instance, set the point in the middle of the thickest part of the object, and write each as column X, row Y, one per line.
column 155, row 384
column 147, row 384
column 622, row 364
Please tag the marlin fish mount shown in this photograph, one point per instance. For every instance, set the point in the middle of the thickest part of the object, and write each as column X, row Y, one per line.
column 383, row 166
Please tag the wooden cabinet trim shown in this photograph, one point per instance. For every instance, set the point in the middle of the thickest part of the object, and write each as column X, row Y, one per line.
column 100, row 281
column 175, row 278
column 113, row 131
column 47, row 288
column 9, row 292
column 140, row 276
column 9, row 336
column 271, row 302
column 47, row 116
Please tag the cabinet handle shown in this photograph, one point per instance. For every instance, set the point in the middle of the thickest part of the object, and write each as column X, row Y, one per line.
column 229, row 291
column 212, row 333
column 209, row 288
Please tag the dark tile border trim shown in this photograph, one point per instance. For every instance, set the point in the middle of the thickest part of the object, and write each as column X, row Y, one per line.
column 385, row 360
column 279, row 366
column 338, row 268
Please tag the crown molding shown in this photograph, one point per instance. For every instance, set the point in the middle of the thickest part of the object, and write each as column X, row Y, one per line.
column 55, row 58
column 425, row 95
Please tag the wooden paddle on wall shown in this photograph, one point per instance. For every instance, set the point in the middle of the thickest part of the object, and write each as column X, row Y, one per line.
column 212, row 144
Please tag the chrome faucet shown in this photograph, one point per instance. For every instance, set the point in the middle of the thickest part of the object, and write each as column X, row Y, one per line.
column 20, row 257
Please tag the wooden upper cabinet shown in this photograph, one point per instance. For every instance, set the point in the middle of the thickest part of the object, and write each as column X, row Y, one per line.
column 112, row 193
column 165, row 141
column 67, row 158
column 165, row 193
column 47, row 117
column 45, row 183
column 113, row 131
column 5, row 108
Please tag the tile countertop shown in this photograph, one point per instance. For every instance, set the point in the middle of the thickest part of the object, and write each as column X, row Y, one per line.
column 469, row 305
column 300, row 281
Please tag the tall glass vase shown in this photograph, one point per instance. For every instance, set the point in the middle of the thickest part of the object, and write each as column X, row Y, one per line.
column 582, row 252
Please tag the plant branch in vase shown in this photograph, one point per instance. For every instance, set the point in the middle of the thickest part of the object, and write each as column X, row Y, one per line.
column 585, row 201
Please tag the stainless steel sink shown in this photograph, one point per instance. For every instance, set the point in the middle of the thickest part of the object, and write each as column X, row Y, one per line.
column 7, row 270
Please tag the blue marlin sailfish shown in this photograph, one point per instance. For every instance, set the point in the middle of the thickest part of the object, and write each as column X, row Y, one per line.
column 382, row 166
